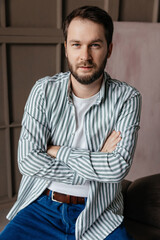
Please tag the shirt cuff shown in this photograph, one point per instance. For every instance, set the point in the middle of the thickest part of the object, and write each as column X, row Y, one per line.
column 63, row 154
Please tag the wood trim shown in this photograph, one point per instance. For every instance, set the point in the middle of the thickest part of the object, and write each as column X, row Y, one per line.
column 2, row 13
column 155, row 11
column 5, row 202
column 6, row 116
column 12, row 125
column 58, row 59
column 5, row 84
column 15, row 125
column 106, row 5
column 59, row 14
column 31, row 35
column 3, row 127
column 112, row 7
column 30, row 40
column 8, row 31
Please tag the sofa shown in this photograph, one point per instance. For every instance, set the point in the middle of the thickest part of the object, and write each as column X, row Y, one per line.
column 142, row 207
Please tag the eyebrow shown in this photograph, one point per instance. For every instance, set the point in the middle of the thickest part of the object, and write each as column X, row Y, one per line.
column 93, row 41
column 97, row 40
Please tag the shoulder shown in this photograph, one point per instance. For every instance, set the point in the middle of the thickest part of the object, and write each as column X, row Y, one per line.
column 44, row 87
column 56, row 79
column 121, row 88
column 50, row 83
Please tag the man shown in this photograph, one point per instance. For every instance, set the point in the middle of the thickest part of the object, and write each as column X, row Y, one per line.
column 77, row 142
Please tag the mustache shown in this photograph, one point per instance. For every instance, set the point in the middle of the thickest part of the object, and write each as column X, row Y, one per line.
column 86, row 64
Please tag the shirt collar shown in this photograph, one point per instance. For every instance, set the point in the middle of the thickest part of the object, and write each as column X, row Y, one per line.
column 69, row 90
column 101, row 92
column 103, row 88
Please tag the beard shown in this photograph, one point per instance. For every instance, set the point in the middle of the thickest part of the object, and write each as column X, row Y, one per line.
column 88, row 79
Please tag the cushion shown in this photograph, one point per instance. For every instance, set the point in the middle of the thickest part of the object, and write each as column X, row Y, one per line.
column 142, row 201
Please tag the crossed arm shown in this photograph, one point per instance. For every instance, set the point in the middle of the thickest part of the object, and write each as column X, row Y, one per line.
column 108, row 147
column 62, row 163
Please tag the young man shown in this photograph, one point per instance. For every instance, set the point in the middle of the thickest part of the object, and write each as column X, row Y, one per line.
column 77, row 142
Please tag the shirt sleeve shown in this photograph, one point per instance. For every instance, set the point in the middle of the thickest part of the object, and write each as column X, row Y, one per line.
column 108, row 167
column 33, row 159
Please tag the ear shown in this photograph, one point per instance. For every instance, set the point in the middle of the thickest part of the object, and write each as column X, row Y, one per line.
column 65, row 45
column 110, row 50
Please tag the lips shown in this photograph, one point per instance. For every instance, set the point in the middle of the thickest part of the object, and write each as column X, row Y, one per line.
column 84, row 66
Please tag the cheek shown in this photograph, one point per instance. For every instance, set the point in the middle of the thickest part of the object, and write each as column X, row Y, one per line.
column 72, row 57
column 101, row 57
column 98, row 59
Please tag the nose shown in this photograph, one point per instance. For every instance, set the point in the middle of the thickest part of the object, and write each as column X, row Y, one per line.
column 85, row 53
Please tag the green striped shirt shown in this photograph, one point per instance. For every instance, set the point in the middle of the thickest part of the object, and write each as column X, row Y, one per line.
column 49, row 119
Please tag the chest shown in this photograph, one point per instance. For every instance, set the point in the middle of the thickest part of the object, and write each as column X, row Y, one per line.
column 98, row 122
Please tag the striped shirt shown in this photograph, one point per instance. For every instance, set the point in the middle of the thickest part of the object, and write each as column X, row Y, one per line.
column 49, row 119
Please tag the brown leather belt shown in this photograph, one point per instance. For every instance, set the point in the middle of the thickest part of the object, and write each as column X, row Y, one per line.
column 64, row 198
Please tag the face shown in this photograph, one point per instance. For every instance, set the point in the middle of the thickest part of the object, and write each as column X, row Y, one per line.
column 86, row 50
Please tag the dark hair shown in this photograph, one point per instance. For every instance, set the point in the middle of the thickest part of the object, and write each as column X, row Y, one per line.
column 94, row 14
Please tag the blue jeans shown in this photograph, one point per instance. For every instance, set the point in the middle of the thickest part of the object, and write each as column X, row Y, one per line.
column 50, row 220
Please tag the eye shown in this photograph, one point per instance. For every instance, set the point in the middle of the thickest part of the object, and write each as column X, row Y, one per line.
column 76, row 45
column 95, row 45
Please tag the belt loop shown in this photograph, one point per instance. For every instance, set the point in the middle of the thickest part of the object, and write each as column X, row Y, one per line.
column 68, row 199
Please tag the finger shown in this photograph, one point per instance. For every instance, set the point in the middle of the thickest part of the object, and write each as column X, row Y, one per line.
column 111, row 150
column 115, row 134
column 113, row 137
column 109, row 147
column 111, row 141
column 117, row 140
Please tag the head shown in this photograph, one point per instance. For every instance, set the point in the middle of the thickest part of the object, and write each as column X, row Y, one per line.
column 94, row 14
column 88, row 43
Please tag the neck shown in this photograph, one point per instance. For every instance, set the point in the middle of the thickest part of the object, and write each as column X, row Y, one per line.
column 86, row 91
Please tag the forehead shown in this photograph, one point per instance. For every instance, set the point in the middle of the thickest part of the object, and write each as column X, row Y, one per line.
column 85, row 29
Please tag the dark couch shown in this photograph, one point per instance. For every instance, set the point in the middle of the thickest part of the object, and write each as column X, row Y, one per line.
column 142, row 207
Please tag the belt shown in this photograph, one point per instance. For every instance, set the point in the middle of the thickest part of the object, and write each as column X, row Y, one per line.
column 64, row 198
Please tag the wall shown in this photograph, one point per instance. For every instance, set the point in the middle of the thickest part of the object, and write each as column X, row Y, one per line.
column 136, row 60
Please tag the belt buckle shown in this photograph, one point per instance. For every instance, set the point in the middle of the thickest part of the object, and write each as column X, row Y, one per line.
column 52, row 196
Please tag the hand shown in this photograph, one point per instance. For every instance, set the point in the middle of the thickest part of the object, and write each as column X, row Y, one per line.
column 52, row 151
column 111, row 142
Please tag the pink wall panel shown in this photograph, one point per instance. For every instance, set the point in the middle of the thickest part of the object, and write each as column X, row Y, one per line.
column 136, row 60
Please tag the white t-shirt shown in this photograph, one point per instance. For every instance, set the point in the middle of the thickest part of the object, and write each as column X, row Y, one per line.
column 82, row 105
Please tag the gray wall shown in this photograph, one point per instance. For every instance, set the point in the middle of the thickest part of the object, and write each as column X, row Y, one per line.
column 136, row 60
